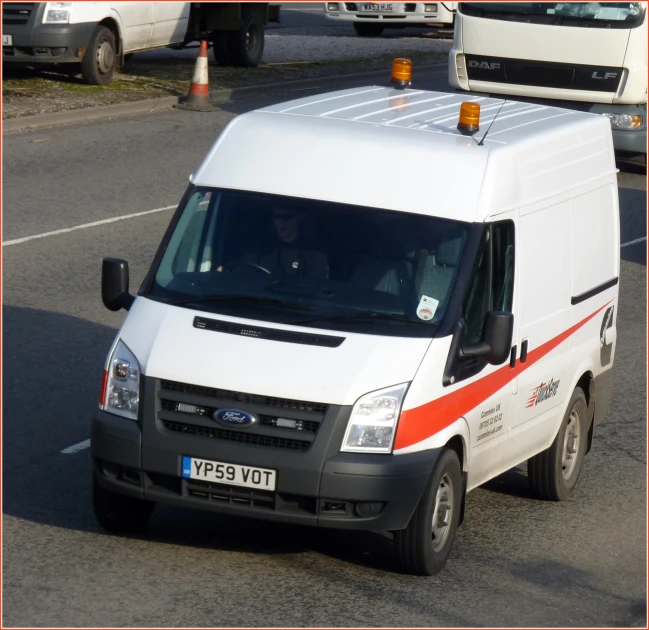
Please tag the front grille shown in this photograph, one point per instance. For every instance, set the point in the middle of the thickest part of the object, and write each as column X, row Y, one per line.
column 282, row 423
column 211, row 392
column 308, row 426
column 16, row 13
column 243, row 437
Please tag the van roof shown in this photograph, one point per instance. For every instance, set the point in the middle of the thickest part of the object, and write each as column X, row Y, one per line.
column 400, row 150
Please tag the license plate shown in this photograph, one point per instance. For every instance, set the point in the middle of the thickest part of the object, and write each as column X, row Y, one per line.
column 229, row 474
column 377, row 7
column 7, row 40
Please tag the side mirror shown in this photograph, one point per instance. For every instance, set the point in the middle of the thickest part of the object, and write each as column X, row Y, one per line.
column 114, row 284
column 497, row 336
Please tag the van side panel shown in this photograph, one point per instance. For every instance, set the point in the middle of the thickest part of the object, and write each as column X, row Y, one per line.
column 544, row 264
column 595, row 246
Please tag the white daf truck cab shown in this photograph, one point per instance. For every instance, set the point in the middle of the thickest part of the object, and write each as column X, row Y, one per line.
column 100, row 36
column 371, row 18
column 589, row 56
column 316, row 348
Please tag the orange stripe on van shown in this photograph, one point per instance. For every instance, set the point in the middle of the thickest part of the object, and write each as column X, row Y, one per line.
column 423, row 422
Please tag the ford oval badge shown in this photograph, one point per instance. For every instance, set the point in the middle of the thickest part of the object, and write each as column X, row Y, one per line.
column 234, row 418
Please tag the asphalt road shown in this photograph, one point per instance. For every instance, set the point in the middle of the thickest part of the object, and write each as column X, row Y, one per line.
column 516, row 562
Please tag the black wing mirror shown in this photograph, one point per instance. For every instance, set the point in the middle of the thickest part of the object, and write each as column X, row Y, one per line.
column 114, row 284
column 497, row 336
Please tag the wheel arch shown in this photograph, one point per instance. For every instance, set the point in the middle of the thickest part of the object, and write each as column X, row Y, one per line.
column 114, row 27
column 586, row 381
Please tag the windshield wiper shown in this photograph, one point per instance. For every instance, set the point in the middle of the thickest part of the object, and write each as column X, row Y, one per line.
column 360, row 315
column 241, row 299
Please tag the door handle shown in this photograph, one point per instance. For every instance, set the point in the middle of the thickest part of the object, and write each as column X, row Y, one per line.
column 524, row 351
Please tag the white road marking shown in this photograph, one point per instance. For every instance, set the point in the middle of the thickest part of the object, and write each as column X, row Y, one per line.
column 25, row 239
column 76, row 447
column 637, row 240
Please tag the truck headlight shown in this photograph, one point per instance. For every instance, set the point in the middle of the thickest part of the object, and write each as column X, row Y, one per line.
column 373, row 422
column 430, row 8
column 625, row 121
column 121, row 390
column 332, row 6
column 57, row 13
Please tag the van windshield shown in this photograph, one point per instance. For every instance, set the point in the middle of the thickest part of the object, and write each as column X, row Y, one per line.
column 588, row 14
column 312, row 263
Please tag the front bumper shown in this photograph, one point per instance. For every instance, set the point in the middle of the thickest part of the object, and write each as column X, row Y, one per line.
column 320, row 487
column 46, row 43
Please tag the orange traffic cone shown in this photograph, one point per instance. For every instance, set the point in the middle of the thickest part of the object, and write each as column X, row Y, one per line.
column 198, row 98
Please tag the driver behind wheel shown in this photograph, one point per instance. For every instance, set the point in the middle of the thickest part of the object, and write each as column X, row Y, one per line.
column 289, row 252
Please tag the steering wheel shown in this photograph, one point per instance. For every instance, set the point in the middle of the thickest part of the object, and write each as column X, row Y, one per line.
column 241, row 263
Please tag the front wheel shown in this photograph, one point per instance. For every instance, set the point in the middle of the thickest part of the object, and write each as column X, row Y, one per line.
column 553, row 473
column 118, row 513
column 424, row 546
column 99, row 62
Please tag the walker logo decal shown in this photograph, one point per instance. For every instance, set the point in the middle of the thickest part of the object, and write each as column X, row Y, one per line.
column 420, row 423
column 543, row 392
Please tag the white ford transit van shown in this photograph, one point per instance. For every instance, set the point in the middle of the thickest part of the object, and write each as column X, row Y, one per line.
column 327, row 336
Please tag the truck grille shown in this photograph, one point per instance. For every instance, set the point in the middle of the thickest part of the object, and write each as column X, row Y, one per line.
column 282, row 423
column 16, row 13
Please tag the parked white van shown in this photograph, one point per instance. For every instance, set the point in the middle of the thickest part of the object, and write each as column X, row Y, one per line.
column 101, row 36
column 326, row 339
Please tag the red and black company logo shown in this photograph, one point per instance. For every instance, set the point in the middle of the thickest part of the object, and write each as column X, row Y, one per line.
column 543, row 392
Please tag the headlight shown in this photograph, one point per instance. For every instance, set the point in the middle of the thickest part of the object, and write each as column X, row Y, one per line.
column 373, row 422
column 57, row 13
column 121, row 391
column 625, row 121
column 430, row 8
column 332, row 6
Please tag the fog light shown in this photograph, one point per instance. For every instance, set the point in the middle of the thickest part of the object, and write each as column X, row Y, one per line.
column 625, row 121
column 332, row 6
column 365, row 510
column 430, row 8
column 57, row 52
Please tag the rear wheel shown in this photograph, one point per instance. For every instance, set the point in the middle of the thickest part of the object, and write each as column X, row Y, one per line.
column 247, row 44
column 424, row 546
column 368, row 30
column 118, row 513
column 99, row 62
column 221, row 48
column 553, row 473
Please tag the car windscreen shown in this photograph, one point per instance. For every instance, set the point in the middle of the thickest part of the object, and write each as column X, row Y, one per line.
column 588, row 14
column 311, row 263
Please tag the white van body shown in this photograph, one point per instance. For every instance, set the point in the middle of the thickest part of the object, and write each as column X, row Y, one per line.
column 370, row 18
column 537, row 204
column 595, row 61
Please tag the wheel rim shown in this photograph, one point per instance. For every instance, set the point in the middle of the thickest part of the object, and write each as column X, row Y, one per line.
column 443, row 512
column 252, row 40
column 105, row 57
column 571, row 442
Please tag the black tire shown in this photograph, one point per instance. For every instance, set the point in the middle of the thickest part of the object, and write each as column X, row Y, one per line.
column 368, row 30
column 247, row 44
column 416, row 550
column 118, row 513
column 100, row 60
column 553, row 473
column 221, row 48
